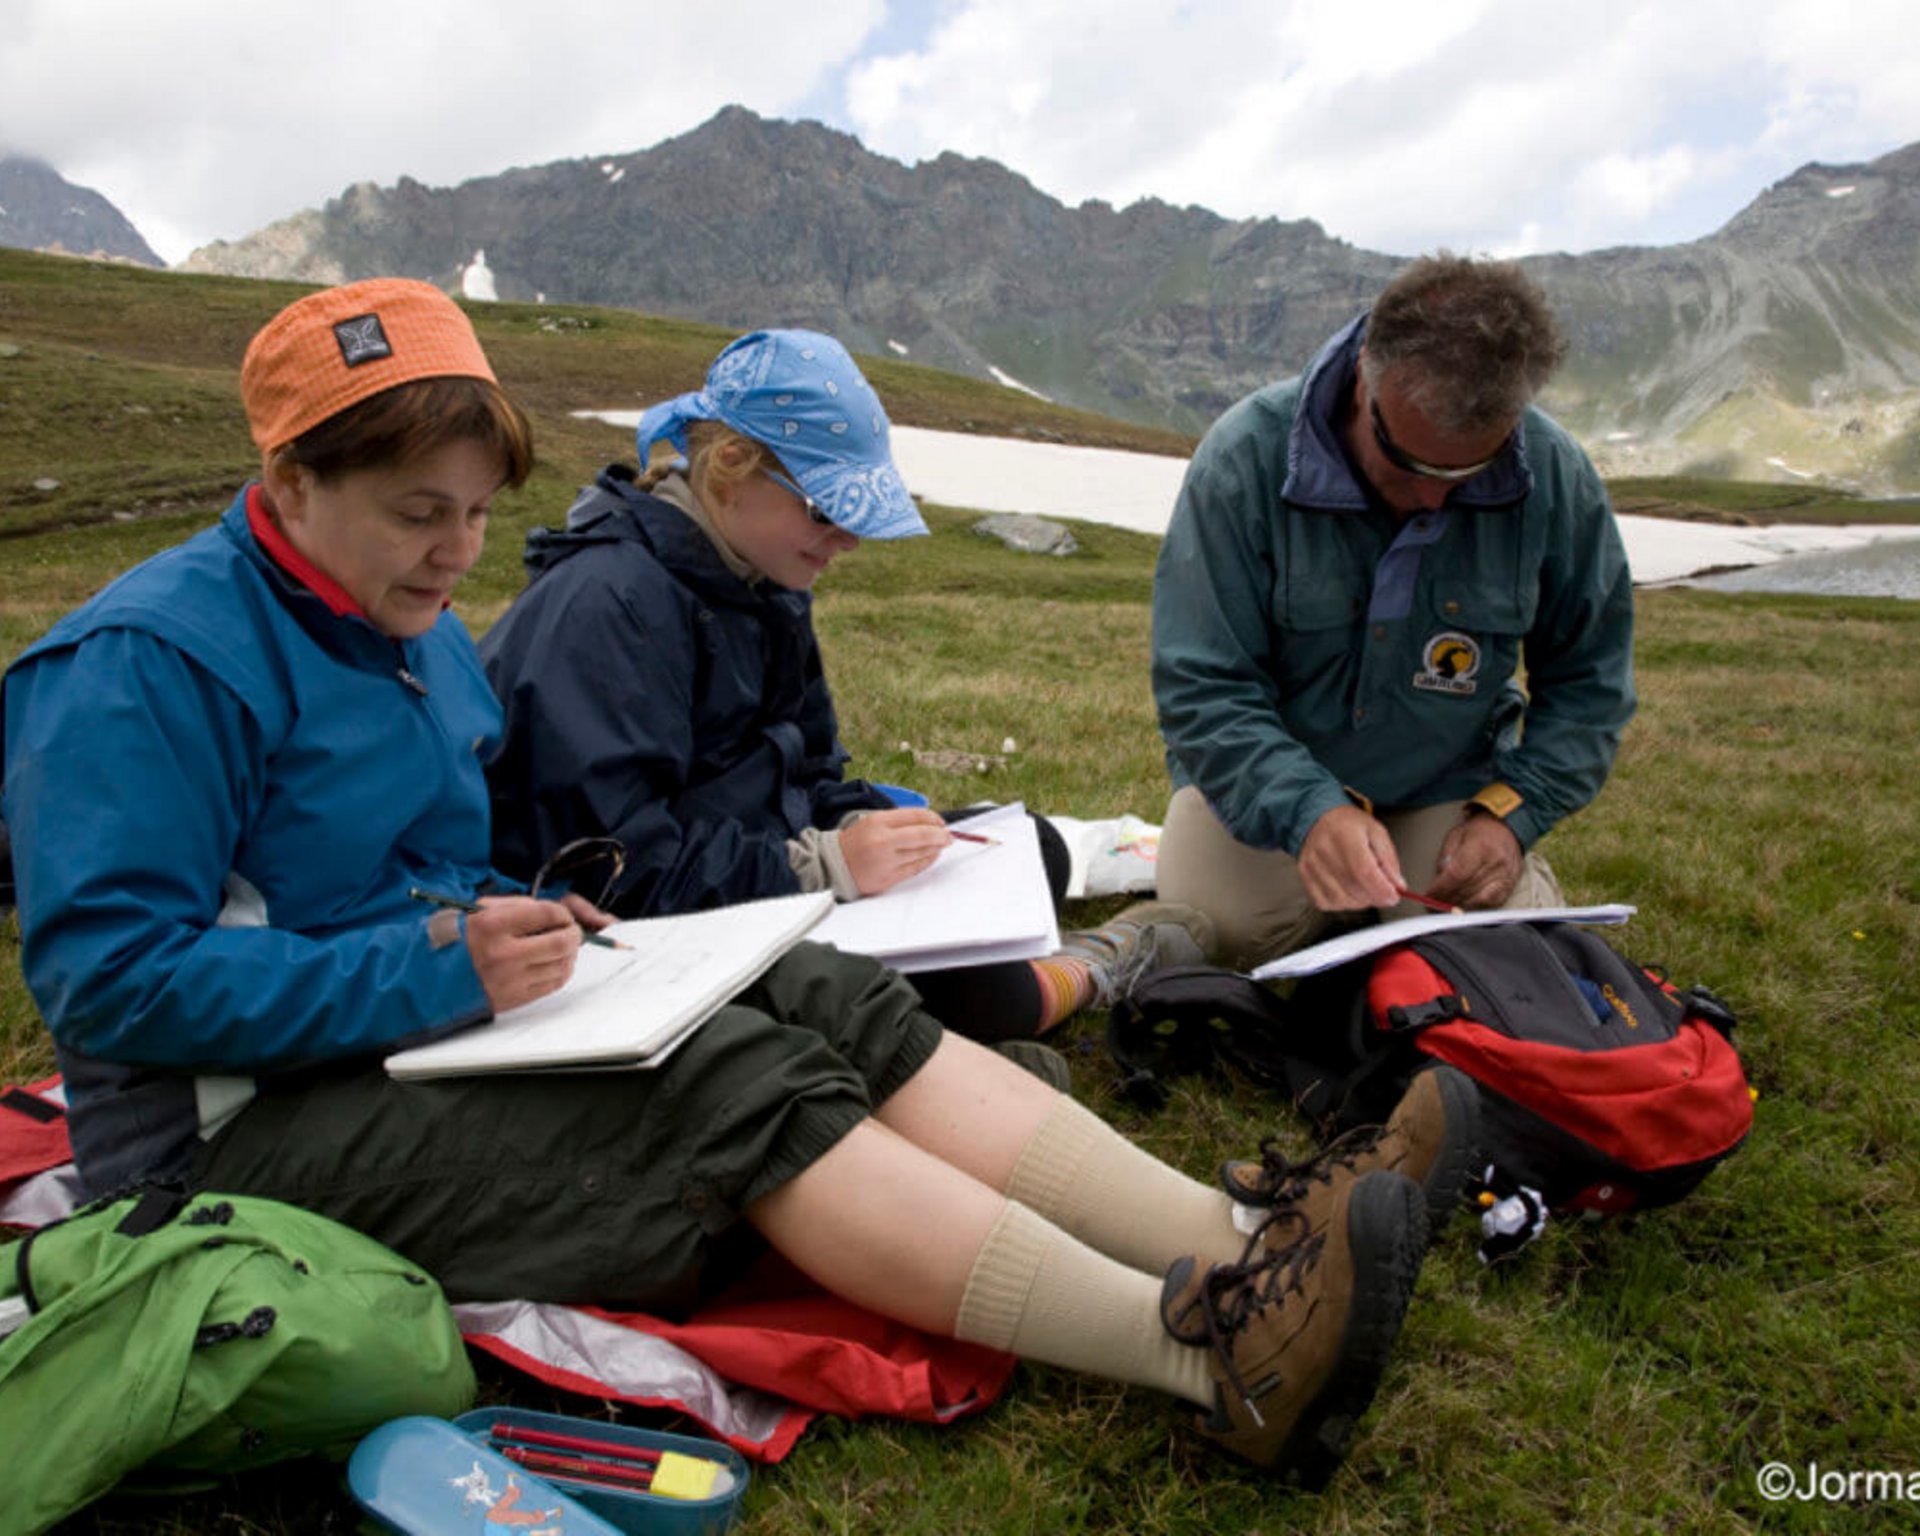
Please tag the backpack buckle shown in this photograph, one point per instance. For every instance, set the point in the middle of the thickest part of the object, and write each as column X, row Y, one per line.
column 1438, row 1010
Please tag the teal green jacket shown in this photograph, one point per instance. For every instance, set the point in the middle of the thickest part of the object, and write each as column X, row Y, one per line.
column 1307, row 644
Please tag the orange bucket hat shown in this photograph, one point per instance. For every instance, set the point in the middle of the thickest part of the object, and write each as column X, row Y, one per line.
column 335, row 348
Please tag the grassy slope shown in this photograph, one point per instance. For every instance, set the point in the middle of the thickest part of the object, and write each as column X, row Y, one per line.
column 1627, row 1376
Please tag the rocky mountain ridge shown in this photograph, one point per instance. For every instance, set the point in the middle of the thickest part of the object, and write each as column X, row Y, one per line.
column 1786, row 344
column 40, row 210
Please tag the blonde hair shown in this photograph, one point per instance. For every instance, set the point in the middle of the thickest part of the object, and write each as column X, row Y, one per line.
column 718, row 459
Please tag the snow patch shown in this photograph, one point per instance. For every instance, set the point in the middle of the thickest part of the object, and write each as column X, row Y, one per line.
column 476, row 280
column 1001, row 377
column 1787, row 469
column 1841, row 191
column 890, row 342
column 1137, row 491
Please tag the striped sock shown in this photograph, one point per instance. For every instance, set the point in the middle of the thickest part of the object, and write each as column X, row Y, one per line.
column 1066, row 986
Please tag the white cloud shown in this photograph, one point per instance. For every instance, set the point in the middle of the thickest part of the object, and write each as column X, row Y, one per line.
column 203, row 118
column 1402, row 125
column 1508, row 125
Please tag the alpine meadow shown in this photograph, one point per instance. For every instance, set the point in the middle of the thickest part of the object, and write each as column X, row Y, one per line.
column 1633, row 1374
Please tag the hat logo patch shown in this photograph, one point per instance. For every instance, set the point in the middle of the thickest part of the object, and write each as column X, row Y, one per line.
column 1449, row 664
column 362, row 340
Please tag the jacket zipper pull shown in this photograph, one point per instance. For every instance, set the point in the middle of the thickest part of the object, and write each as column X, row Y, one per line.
column 410, row 680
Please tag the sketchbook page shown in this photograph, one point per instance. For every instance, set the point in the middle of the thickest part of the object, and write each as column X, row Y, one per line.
column 623, row 1004
column 974, row 899
column 1365, row 941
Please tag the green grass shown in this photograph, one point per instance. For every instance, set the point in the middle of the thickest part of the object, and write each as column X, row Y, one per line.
column 1748, row 501
column 1625, row 1376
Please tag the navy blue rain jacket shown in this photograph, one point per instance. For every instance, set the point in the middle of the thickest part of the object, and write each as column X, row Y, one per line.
column 653, row 696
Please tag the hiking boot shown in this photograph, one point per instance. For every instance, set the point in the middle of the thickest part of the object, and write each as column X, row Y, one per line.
column 1432, row 1136
column 1043, row 1061
column 1300, row 1330
column 1147, row 936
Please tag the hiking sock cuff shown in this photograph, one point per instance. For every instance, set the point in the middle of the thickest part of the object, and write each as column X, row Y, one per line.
column 1050, row 1164
column 1001, row 1282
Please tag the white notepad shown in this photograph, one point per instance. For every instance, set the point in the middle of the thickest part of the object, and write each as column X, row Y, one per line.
column 1343, row 947
column 629, row 1008
column 975, row 905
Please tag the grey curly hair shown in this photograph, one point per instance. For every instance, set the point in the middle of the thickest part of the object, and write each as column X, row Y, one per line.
column 1470, row 341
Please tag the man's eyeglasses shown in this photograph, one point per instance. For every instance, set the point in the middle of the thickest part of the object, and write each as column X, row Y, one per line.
column 814, row 515
column 1400, row 459
column 584, row 855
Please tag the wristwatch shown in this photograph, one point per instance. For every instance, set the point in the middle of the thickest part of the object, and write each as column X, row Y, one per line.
column 1498, row 801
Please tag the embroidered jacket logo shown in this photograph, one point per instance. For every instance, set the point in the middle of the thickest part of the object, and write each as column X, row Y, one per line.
column 1449, row 664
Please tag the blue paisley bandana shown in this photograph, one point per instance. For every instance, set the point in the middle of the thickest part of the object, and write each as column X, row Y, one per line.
column 800, row 394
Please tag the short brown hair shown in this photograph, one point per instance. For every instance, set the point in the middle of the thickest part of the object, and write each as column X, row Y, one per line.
column 418, row 418
column 1471, row 341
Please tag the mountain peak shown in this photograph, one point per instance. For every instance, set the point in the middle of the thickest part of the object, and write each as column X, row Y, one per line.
column 40, row 210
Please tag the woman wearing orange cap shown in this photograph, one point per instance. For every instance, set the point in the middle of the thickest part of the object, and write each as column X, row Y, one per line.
column 226, row 773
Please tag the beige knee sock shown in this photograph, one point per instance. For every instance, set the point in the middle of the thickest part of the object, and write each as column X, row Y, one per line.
column 1038, row 1293
column 1084, row 1176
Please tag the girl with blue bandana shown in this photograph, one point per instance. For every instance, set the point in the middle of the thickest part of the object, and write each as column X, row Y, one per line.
column 663, row 684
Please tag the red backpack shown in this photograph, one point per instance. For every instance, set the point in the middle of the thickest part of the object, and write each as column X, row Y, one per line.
column 1603, row 1087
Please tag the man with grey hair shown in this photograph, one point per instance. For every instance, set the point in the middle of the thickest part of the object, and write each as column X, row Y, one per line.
column 1358, row 563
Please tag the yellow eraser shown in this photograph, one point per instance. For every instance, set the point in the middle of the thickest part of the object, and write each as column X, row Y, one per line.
column 684, row 1477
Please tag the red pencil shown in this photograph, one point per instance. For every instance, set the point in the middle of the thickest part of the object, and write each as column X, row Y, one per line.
column 975, row 837
column 1426, row 901
column 618, row 1449
column 604, row 1474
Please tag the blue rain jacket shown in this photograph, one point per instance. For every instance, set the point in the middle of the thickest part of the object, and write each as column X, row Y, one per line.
column 1304, row 640
column 220, row 792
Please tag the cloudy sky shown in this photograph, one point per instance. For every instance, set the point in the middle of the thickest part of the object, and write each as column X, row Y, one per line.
column 1507, row 126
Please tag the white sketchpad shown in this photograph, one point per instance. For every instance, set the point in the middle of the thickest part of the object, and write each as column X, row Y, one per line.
column 1338, row 950
column 975, row 905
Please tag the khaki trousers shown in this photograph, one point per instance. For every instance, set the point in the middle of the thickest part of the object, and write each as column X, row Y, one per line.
column 1259, row 908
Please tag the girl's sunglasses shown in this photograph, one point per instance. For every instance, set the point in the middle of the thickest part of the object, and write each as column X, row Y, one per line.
column 814, row 515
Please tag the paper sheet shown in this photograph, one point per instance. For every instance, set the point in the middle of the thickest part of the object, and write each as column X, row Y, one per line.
column 625, row 1008
column 974, row 905
column 1343, row 947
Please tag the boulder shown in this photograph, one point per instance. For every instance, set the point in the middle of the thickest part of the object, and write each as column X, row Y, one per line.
column 1026, row 533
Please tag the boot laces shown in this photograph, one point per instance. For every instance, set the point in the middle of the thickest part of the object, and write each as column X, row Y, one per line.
column 1283, row 1180
column 1230, row 1296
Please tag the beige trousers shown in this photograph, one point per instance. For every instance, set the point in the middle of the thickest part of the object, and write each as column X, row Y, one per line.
column 1260, row 910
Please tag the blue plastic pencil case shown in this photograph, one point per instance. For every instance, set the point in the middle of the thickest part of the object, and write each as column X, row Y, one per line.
column 708, row 1478
column 422, row 1477
column 428, row 1477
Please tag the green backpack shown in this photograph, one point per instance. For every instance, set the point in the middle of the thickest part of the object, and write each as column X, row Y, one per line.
column 206, row 1333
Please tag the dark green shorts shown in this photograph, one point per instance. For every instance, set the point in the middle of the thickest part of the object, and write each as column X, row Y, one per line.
column 622, row 1189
